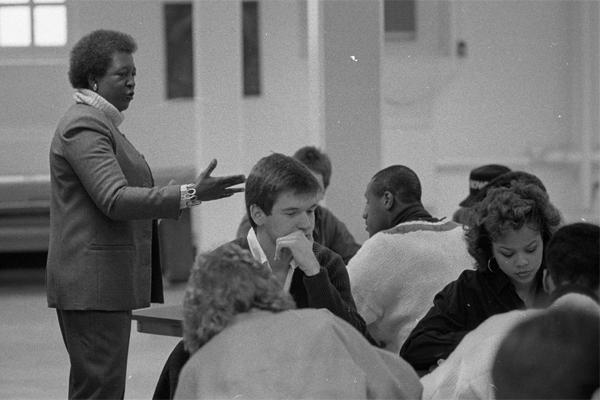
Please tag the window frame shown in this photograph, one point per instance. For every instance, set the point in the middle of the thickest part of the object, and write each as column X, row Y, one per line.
column 33, row 54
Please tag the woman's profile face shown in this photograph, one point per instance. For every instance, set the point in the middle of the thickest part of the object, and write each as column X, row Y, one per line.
column 519, row 254
column 118, row 84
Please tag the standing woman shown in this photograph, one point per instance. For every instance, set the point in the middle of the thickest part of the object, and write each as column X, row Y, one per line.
column 506, row 236
column 103, row 252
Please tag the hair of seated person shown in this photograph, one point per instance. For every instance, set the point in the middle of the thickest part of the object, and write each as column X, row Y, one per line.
column 316, row 161
column 399, row 180
column 573, row 255
column 553, row 355
column 273, row 175
column 506, row 179
column 224, row 283
column 506, row 207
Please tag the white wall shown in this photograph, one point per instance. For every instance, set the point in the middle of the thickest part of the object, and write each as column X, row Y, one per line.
column 509, row 102
column 515, row 95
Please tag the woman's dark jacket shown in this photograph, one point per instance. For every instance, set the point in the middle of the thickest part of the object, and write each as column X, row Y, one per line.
column 459, row 308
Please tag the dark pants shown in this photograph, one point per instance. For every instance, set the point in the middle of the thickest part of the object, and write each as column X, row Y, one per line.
column 97, row 343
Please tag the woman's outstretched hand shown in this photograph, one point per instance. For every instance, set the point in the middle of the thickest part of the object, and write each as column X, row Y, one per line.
column 216, row 187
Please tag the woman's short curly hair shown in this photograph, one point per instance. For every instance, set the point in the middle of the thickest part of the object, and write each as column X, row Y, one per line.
column 92, row 55
column 509, row 207
column 223, row 283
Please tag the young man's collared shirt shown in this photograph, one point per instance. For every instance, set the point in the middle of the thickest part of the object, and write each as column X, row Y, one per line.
column 261, row 257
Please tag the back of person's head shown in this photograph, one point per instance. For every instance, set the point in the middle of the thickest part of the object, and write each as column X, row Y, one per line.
column 572, row 255
column 276, row 174
column 317, row 161
column 223, row 283
column 399, row 180
column 505, row 208
column 553, row 355
column 92, row 55
column 479, row 178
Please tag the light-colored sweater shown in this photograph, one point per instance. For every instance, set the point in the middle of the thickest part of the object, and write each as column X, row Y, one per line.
column 397, row 272
column 294, row 354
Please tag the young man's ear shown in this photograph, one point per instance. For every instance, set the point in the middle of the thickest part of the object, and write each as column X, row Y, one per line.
column 257, row 215
column 388, row 200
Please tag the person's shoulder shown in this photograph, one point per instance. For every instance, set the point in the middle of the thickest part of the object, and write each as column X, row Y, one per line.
column 81, row 116
column 468, row 280
column 325, row 213
column 80, row 111
column 443, row 225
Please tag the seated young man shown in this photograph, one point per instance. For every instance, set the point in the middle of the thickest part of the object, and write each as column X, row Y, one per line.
column 329, row 231
column 281, row 196
column 409, row 256
column 242, row 331
column 572, row 275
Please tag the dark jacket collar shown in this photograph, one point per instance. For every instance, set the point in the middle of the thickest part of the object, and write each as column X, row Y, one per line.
column 413, row 212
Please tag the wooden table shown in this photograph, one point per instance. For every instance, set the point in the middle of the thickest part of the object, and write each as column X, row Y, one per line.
column 160, row 320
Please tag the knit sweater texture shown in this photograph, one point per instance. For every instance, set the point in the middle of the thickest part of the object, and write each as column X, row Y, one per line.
column 397, row 272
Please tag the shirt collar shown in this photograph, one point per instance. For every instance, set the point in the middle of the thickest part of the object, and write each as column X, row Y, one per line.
column 255, row 248
column 259, row 254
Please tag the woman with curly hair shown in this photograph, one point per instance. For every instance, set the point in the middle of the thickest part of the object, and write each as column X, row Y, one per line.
column 103, row 257
column 248, row 340
column 506, row 236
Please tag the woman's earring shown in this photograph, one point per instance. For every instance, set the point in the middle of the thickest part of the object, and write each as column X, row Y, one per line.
column 489, row 265
column 95, row 87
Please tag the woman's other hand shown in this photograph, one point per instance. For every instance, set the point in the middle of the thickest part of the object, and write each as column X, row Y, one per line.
column 213, row 187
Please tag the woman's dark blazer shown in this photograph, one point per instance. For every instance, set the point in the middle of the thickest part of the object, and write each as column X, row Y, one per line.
column 103, row 253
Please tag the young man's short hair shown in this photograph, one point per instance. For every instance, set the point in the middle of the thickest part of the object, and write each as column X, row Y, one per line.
column 553, row 355
column 572, row 255
column 273, row 175
column 316, row 161
column 400, row 180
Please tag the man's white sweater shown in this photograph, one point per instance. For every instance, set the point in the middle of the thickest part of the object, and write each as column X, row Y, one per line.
column 397, row 272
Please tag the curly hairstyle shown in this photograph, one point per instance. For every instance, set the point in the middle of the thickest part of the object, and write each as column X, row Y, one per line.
column 316, row 161
column 92, row 55
column 505, row 208
column 223, row 283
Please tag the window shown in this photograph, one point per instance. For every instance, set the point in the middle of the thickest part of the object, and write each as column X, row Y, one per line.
column 250, row 48
column 400, row 19
column 179, row 49
column 33, row 23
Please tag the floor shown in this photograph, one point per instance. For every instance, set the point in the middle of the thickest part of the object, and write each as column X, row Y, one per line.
column 33, row 360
